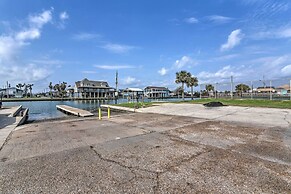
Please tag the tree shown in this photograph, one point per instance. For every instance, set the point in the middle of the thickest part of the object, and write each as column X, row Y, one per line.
column 29, row 87
column 240, row 88
column 19, row 86
column 192, row 82
column 25, row 89
column 51, row 88
column 182, row 77
column 57, row 89
column 209, row 88
column 63, row 88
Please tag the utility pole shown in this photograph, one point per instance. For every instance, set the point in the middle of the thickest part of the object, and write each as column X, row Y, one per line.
column 270, row 89
column 231, row 87
column 201, row 90
column 252, row 90
column 216, row 90
column 116, row 87
column 116, row 80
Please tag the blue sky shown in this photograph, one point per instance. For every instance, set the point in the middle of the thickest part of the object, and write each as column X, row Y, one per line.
column 147, row 41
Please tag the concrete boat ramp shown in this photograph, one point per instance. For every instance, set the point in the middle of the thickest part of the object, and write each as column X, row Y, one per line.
column 74, row 111
column 10, row 118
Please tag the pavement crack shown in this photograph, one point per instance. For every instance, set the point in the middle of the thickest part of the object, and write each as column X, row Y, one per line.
column 157, row 186
column 285, row 118
column 6, row 140
column 131, row 168
column 228, row 114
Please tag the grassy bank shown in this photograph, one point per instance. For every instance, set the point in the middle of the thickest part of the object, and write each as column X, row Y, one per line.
column 135, row 105
column 246, row 102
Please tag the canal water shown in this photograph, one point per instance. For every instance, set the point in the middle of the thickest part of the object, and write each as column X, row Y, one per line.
column 39, row 110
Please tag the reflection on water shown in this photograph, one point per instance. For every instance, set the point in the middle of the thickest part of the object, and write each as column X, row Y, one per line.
column 39, row 110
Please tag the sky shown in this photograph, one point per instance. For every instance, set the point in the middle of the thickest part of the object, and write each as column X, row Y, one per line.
column 147, row 41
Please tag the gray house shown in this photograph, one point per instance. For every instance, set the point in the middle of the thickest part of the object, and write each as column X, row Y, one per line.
column 156, row 92
column 92, row 89
column 11, row 92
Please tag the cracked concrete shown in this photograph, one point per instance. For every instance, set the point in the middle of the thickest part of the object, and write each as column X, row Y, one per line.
column 154, row 153
column 264, row 117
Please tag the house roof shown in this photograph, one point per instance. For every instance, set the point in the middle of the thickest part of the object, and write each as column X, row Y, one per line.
column 90, row 83
column 133, row 90
column 285, row 86
column 156, row 87
column 267, row 87
column 11, row 88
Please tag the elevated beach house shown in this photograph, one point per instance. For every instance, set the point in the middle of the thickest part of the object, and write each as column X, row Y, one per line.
column 93, row 89
column 11, row 92
column 266, row 89
column 132, row 93
column 283, row 90
column 156, row 92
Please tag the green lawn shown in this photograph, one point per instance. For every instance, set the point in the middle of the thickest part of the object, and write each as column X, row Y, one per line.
column 247, row 102
column 135, row 105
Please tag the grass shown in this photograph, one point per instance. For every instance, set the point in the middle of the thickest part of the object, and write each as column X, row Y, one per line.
column 246, row 102
column 135, row 105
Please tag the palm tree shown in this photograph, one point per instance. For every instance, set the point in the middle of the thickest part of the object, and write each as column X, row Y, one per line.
column 63, row 88
column 57, row 89
column 191, row 82
column 51, row 88
column 29, row 86
column 209, row 88
column 182, row 77
column 25, row 89
column 19, row 86
column 240, row 88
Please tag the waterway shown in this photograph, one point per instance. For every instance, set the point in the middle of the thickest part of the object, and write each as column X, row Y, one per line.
column 39, row 110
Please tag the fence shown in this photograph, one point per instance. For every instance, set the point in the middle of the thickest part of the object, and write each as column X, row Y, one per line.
column 276, row 89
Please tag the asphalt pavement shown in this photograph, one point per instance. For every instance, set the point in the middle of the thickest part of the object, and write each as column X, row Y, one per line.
column 147, row 153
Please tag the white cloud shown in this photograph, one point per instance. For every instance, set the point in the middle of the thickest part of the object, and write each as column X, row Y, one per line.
column 9, row 47
column 25, row 73
column 191, row 20
column 226, row 57
column 11, row 66
column 284, row 33
column 184, row 61
column 89, row 72
column 233, row 40
column 118, row 48
column 38, row 20
column 163, row 71
column 64, row 16
column 85, row 36
column 29, row 34
column 48, row 62
column 286, row 70
column 218, row 19
column 275, row 62
column 114, row 67
column 280, row 32
column 219, row 75
column 129, row 80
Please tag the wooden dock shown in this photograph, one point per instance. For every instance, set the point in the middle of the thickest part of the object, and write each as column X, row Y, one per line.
column 74, row 111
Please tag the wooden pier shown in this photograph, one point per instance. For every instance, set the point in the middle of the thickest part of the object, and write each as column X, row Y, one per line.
column 74, row 111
